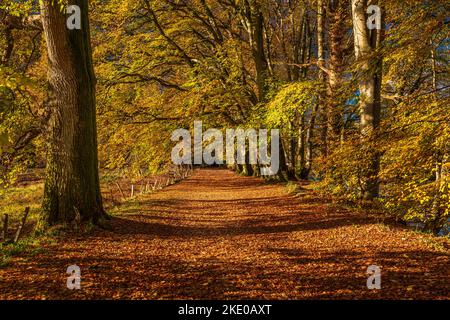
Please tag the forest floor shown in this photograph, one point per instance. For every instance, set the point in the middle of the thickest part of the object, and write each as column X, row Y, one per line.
column 217, row 235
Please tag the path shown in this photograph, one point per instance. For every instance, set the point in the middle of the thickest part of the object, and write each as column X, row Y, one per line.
column 219, row 235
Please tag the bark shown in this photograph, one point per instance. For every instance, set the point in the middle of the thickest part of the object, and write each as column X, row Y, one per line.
column 322, row 75
column 72, row 188
column 248, row 168
column 7, row 51
column 7, row 24
column 303, row 172
column 292, row 150
column 308, row 46
column 259, row 56
column 253, row 21
column 337, row 30
column 366, row 43
column 301, row 46
column 283, row 172
column 256, row 170
column 309, row 142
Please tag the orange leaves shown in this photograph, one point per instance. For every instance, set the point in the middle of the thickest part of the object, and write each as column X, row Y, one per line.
column 217, row 235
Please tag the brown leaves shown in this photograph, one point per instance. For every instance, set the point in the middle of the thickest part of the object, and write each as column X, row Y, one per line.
column 217, row 235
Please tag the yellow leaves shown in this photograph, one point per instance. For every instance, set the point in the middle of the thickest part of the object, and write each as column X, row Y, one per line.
column 291, row 99
column 16, row 8
column 4, row 139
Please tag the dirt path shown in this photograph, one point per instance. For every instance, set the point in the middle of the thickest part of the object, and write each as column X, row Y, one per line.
column 219, row 235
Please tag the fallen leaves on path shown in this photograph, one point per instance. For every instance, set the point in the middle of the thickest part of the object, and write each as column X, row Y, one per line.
column 217, row 235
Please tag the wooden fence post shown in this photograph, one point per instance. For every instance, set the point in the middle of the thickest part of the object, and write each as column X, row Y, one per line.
column 5, row 227
column 121, row 191
column 24, row 219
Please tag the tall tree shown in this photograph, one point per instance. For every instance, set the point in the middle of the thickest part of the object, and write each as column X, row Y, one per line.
column 253, row 21
column 366, row 44
column 338, row 13
column 321, row 14
column 72, row 186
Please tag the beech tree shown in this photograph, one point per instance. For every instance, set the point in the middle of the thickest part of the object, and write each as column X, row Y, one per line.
column 72, row 187
column 369, row 80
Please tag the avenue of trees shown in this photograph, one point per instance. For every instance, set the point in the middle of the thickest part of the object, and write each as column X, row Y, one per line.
column 362, row 112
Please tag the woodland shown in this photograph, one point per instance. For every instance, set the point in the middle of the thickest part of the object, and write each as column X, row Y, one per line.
column 87, row 114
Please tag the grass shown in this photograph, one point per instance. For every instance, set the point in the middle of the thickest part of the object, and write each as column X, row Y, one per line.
column 440, row 244
column 291, row 187
column 13, row 202
column 29, row 246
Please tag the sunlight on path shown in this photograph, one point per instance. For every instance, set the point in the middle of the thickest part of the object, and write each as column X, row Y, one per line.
column 219, row 235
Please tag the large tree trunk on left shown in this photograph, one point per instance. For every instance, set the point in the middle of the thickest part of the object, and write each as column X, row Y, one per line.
column 72, row 188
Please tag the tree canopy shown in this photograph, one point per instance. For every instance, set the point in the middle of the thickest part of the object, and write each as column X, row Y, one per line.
column 297, row 65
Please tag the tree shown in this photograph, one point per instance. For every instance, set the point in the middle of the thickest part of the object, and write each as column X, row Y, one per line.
column 72, row 179
column 369, row 80
column 20, row 119
column 338, row 13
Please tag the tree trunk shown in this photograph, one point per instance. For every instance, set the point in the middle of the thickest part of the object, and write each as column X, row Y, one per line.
column 283, row 172
column 8, row 23
column 302, row 150
column 248, row 168
column 338, row 15
column 310, row 142
column 366, row 43
column 259, row 55
column 7, row 51
column 253, row 21
column 323, row 116
column 72, row 188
